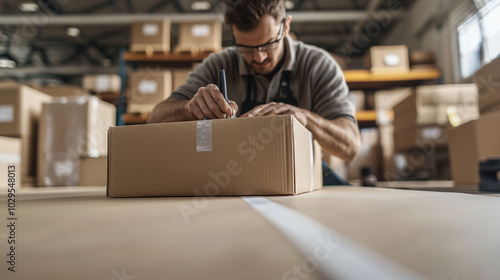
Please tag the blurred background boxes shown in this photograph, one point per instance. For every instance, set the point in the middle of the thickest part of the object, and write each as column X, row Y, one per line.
column 198, row 37
column 10, row 154
column 20, row 109
column 421, row 118
column 102, row 83
column 471, row 143
column 487, row 79
column 150, row 36
column 386, row 59
column 71, row 128
column 148, row 88
column 64, row 91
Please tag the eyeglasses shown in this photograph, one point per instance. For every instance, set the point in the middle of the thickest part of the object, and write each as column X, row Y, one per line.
column 264, row 47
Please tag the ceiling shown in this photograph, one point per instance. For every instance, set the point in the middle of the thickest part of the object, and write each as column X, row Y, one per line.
column 39, row 42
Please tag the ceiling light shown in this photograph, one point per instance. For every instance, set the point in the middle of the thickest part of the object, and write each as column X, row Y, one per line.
column 201, row 6
column 72, row 31
column 289, row 5
column 28, row 7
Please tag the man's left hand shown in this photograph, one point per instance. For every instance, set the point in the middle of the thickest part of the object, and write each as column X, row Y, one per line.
column 273, row 108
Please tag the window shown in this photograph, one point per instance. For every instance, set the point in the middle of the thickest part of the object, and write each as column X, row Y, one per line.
column 479, row 37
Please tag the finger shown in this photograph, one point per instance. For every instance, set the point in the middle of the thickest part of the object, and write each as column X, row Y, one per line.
column 205, row 108
column 218, row 98
column 234, row 107
column 195, row 111
column 273, row 110
column 255, row 111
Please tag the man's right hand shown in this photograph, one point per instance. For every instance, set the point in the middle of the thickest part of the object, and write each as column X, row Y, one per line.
column 210, row 103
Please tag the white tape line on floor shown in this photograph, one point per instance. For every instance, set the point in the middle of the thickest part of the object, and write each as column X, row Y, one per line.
column 334, row 255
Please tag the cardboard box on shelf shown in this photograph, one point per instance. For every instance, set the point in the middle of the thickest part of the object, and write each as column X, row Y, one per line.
column 20, row 108
column 148, row 88
column 199, row 37
column 179, row 78
column 421, row 57
column 71, row 128
column 64, row 91
column 271, row 155
column 428, row 105
column 423, row 137
column 384, row 59
column 150, row 36
column 471, row 143
column 93, row 171
column 102, row 83
column 487, row 79
column 10, row 162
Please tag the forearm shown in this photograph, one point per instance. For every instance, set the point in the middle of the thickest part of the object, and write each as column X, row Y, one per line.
column 339, row 137
column 171, row 110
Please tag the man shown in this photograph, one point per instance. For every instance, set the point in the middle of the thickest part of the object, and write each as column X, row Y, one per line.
column 269, row 74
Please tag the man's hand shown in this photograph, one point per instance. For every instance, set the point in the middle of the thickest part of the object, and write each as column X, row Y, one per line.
column 273, row 108
column 210, row 103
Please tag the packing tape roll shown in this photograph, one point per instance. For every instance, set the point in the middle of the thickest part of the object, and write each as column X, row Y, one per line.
column 204, row 136
column 333, row 254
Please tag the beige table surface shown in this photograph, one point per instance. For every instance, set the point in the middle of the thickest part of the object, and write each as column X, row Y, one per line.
column 77, row 233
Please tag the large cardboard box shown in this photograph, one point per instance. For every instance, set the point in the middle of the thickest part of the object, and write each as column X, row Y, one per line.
column 488, row 82
column 470, row 143
column 10, row 161
column 20, row 108
column 64, row 91
column 71, row 128
column 102, row 83
column 384, row 59
column 148, row 88
column 150, row 36
column 271, row 155
column 93, row 171
column 200, row 37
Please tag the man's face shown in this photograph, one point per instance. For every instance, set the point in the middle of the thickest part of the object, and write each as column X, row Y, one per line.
column 265, row 59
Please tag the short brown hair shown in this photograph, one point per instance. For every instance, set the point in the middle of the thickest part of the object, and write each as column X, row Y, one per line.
column 246, row 15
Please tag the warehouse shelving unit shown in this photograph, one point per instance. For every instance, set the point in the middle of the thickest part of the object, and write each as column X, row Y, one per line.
column 371, row 82
column 356, row 80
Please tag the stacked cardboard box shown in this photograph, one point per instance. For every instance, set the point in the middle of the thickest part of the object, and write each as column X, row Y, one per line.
column 148, row 88
column 421, row 118
column 200, row 37
column 71, row 128
column 488, row 82
column 10, row 161
column 20, row 108
column 244, row 156
column 470, row 143
column 387, row 59
column 420, row 59
column 102, row 84
column 150, row 36
column 64, row 91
